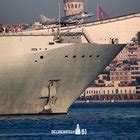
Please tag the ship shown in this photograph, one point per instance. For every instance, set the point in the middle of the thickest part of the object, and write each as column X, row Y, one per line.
column 44, row 73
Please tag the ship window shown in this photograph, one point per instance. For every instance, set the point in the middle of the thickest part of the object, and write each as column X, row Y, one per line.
column 39, row 48
column 98, row 56
column 45, row 48
column 90, row 56
column 35, row 60
column 74, row 56
column 66, row 56
column 34, row 49
column 83, row 56
column 41, row 57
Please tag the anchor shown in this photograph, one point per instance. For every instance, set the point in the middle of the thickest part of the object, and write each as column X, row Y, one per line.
column 49, row 93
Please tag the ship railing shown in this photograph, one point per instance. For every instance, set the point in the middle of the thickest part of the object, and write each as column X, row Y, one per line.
column 25, row 34
column 113, row 19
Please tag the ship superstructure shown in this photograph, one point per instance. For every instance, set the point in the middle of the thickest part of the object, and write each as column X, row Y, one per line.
column 110, row 31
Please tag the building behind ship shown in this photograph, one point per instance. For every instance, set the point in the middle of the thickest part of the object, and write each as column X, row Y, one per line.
column 73, row 6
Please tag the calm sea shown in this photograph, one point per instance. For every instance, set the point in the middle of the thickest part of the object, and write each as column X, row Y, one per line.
column 103, row 121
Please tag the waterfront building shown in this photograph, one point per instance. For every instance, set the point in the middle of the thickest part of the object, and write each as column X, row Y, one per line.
column 134, row 52
column 109, row 93
column 135, row 71
column 101, row 81
column 138, row 89
column 73, row 6
column 131, row 52
column 124, row 77
column 123, row 55
column 110, row 90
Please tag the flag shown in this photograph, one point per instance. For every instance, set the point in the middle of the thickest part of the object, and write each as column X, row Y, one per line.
column 101, row 14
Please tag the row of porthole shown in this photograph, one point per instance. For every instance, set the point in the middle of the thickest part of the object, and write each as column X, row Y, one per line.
column 66, row 56
column 41, row 57
column 35, row 49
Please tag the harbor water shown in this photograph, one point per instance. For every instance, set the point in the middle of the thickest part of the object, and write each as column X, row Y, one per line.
column 102, row 121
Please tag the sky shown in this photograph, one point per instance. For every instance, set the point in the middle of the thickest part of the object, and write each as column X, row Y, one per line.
column 28, row 11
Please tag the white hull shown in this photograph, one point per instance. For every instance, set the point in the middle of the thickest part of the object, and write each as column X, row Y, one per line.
column 24, row 75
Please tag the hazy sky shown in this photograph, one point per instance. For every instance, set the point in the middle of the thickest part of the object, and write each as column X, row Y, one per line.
column 20, row 11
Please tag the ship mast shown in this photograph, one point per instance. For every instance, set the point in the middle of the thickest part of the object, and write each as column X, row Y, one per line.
column 97, row 9
column 59, row 14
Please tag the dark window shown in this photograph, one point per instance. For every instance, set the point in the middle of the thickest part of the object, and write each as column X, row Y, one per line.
column 83, row 56
column 39, row 48
column 35, row 60
column 66, row 56
column 117, row 91
column 45, row 48
column 98, row 56
column 90, row 56
column 74, row 56
column 72, row 6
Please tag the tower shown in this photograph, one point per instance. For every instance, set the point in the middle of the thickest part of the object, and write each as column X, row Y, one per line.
column 73, row 6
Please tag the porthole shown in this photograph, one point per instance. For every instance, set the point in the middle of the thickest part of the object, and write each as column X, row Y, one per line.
column 51, row 43
column 83, row 56
column 66, row 56
column 39, row 48
column 34, row 49
column 35, row 61
column 90, row 55
column 45, row 48
column 41, row 57
column 98, row 56
column 74, row 56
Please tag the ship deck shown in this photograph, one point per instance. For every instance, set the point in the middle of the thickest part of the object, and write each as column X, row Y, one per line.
column 44, row 32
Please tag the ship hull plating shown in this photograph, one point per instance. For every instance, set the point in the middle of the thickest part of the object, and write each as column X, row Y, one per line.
column 23, row 78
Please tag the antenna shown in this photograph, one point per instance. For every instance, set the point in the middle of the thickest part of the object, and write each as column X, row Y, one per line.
column 59, row 13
